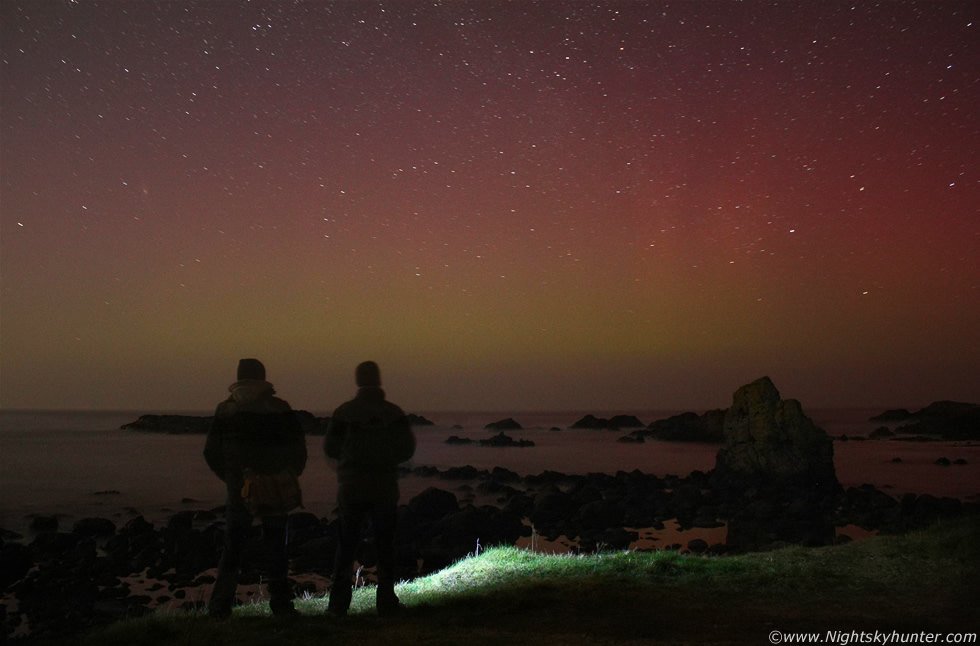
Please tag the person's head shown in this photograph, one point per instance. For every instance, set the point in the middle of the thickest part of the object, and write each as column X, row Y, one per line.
column 251, row 369
column 368, row 375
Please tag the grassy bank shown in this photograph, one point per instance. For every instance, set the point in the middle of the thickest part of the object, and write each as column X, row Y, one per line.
column 922, row 581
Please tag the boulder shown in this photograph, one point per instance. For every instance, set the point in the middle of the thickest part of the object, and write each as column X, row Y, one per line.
column 44, row 524
column 508, row 424
column 93, row 527
column 15, row 563
column 689, row 427
column 432, row 504
column 502, row 440
column 614, row 423
column 893, row 415
column 172, row 424
column 946, row 420
column 771, row 441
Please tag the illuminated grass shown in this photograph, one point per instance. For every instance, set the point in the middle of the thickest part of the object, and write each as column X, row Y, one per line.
column 922, row 580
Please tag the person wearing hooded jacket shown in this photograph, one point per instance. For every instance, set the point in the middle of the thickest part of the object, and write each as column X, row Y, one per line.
column 253, row 429
column 369, row 437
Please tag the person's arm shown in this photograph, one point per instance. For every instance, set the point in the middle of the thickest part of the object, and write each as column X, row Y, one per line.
column 214, row 453
column 402, row 446
column 333, row 443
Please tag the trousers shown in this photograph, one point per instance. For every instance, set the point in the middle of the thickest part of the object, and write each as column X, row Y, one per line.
column 383, row 515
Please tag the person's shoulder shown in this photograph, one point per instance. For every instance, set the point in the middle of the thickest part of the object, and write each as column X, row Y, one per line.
column 343, row 409
column 394, row 409
column 278, row 405
column 227, row 408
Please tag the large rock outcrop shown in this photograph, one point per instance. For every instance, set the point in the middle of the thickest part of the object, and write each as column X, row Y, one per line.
column 770, row 441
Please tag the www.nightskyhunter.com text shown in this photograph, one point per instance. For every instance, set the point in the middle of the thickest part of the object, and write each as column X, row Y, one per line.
column 845, row 638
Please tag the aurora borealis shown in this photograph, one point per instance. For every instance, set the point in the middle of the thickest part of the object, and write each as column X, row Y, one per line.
column 508, row 205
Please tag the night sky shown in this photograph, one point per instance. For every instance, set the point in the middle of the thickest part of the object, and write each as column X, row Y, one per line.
column 509, row 205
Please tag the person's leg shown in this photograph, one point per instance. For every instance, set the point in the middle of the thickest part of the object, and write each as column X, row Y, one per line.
column 238, row 523
column 349, row 536
column 385, row 519
column 276, row 564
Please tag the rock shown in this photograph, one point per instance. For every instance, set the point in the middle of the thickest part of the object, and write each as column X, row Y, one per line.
column 614, row 424
column 504, row 425
column 9, row 535
column 195, row 424
column 770, row 439
column 943, row 462
column 499, row 474
column 418, row 420
column 599, row 514
column 312, row 425
column 631, row 439
column 94, row 527
column 880, row 433
column 15, row 562
column 946, row 420
column 44, row 524
column 689, row 427
column 432, row 504
column 316, row 554
column 697, row 546
column 488, row 525
column 172, row 424
column 455, row 439
column 502, row 440
column 552, row 506
column 466, row 472
column 894, row 415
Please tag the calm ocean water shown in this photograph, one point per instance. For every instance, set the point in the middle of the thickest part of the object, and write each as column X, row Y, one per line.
column 80, row 464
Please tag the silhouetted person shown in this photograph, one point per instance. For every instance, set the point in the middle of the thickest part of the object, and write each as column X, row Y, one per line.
column 369, row 437
column 253, row 429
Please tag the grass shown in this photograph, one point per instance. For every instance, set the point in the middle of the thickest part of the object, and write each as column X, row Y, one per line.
column 921, row 581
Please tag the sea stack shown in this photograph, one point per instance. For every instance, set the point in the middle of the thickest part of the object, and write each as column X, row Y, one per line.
column 770, row 442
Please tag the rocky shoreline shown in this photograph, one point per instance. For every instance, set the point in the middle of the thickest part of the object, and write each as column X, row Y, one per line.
column 93, row 573
column 774, row 484
column 940, row 421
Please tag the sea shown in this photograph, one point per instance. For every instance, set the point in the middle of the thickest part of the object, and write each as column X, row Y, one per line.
column 79, row 464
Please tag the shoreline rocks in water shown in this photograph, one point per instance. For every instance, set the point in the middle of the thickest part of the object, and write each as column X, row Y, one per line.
column 942, row 420
column 508, row 424
column 90, row 565
column 199, row 424
column 616, row 422
column 498, row 440
column 686, row 427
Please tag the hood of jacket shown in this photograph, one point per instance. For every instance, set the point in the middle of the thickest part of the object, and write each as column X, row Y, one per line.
column 247, row 391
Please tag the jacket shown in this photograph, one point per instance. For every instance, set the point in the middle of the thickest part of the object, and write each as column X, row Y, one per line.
column 253, row 429
column 369, row 437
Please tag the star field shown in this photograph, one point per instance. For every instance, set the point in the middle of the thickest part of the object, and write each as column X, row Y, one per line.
column 508, row 205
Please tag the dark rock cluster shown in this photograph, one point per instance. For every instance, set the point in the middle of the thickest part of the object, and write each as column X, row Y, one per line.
column 508, row 424
column 614, row 423
column 774, row 484
column 198, row 424
column 943, row 420
column 498, row 440
column 66, row 581
column 686, row 427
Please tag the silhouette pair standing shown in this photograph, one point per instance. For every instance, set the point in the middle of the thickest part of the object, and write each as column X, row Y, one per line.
column 255, row 431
